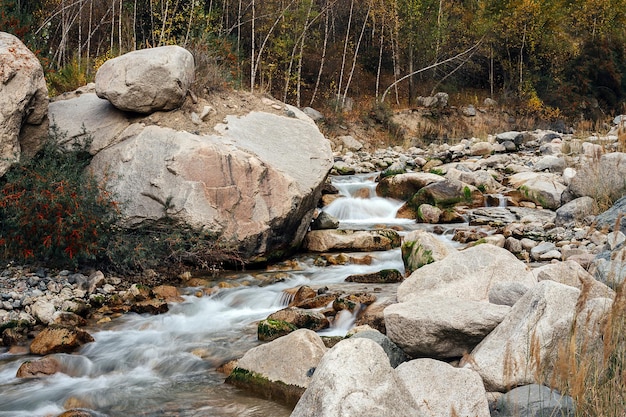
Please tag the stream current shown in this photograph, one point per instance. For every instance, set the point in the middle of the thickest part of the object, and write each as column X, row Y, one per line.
column 165, row 365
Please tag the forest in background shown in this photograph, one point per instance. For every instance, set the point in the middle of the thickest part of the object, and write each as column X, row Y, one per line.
column 553, row 58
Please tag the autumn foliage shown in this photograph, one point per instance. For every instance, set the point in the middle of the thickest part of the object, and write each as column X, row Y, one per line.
column 52, row 211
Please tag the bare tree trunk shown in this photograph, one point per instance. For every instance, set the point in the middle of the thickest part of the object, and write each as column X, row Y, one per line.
column 356, row 53
column 112, row 24
column 298, row 45
column 80, row 31
column 343, row 57
column 521, row 61
column 191, row 13
column 89, row 35
column 252, row 57
column 380, row 55
column 119, row 27
column 257, row 61
column 491, row 70
column 167, row 6
column 323, row 58
column 152, row 23
column 135, row 26
column 411, row 78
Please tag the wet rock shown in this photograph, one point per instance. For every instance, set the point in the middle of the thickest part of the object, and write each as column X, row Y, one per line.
column 281, row 369
column 301, row 318
column 168, row 293
column 303, row 293
column 534, row 400
column 67, row 318
column 355, row 378
column 427, row 214
column 364, row 241
column 153, row 306
column 57, row 339
column 268, row 330
column 324, row 221
column 422, row 248
column 404, row 186
column 381, row 277
column 374, row 317
column 448, row 193
column 441, row 327
column 318, row 301
column 441, row 390
column 353, row 302
column 45, row 366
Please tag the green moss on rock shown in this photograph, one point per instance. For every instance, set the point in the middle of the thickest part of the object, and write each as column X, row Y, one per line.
column 269, row 329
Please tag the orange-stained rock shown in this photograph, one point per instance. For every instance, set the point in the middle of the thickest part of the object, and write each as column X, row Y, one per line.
column 59, row 339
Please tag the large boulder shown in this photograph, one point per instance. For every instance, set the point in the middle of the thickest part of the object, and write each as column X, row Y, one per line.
column 23, row 102
column 441, row 390
column 447, row 193
column 355, row 378
column 481, row 179
column 280, row 369
column 575, row 212
column 467, row 275
column 528, row 337
column 610, row 217
column 100, row 124
column 441, row 327
column 255, row 183
column 147, row 80
column 543, row 189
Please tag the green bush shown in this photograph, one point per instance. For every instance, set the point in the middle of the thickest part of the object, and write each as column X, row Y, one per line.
column 52, row 211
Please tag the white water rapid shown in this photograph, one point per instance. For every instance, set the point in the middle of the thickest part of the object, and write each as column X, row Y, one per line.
column 141, row 365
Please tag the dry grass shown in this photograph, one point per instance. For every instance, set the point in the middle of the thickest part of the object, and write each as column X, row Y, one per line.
column 591, row 365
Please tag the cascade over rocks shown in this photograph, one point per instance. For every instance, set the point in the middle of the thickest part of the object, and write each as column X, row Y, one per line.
column 23, row 102
column 147, row 80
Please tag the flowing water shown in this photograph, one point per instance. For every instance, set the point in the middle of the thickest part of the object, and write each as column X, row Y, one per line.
column 165, row 365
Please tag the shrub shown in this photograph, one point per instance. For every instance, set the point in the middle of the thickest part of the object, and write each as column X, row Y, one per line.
column 52, row 211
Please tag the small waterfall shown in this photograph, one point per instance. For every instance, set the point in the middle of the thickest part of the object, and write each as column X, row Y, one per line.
column 360, row 207
column 496, row 200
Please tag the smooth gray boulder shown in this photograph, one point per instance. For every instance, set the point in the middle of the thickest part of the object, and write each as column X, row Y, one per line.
column 236, row 183
column 534, row 401
column 282, row 368
column 466, row 275
column 507, row 293
column 550, row 163
column 354, row 378
column 530, row 334
column 609, row 218
column 147, row 80
column 100, row 124
column 575, row 211
column 441, row 327
column 441, row 390
column 23, row 102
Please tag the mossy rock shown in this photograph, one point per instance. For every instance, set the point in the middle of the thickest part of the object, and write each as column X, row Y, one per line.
column 381, row 277
column 268, row 329
column 272, row 390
